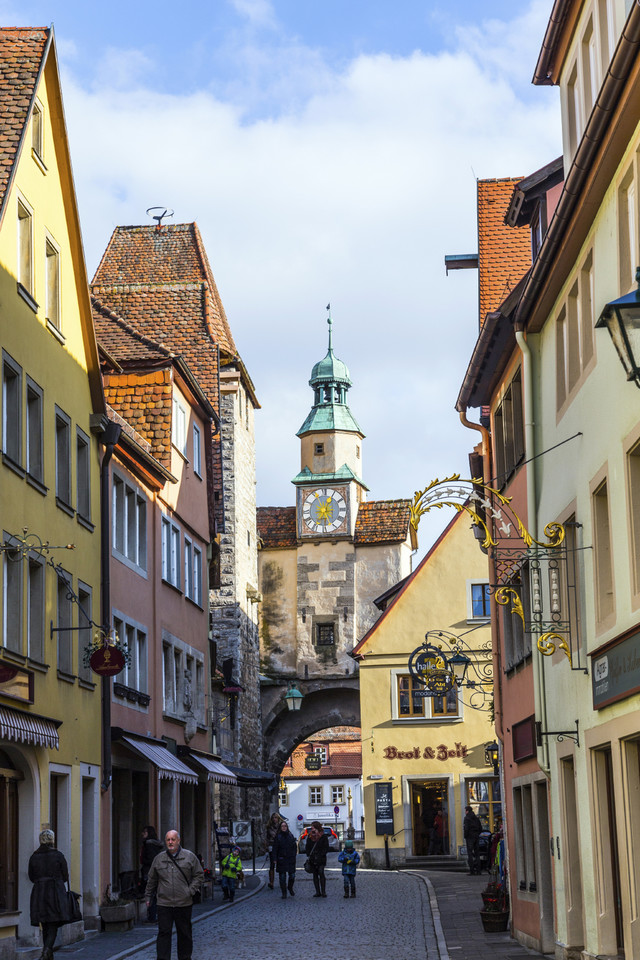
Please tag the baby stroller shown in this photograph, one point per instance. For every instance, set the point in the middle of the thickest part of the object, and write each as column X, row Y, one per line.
column 484, row 850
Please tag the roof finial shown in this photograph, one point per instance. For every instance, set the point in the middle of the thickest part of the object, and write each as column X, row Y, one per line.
column 329, row 321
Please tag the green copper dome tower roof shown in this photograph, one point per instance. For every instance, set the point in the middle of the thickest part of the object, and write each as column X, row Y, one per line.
column 330, row 381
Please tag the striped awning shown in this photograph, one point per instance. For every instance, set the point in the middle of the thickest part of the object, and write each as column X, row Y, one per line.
column 168, row 766
column 213, row 768
column 28, row 728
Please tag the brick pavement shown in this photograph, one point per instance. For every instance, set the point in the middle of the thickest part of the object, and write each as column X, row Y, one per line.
column 400, row 914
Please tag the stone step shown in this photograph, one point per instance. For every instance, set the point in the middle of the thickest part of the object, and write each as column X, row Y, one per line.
column 452, row 864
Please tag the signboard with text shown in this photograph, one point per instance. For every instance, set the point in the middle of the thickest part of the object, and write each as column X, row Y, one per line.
column 383, row 801
column 616, row 672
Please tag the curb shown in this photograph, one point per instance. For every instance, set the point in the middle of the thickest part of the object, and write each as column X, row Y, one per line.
column 443, row 950
column 203, row 916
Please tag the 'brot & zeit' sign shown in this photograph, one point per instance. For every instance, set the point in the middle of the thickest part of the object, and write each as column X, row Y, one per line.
column 441, row 752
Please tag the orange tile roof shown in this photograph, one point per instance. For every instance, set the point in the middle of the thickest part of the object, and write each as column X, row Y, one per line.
column 277, row 526
column 504, row 253
column 145, row 258
column 21, row 56
column 382, row 521
column 344, row 759
column 121, row 340
column 144, row 400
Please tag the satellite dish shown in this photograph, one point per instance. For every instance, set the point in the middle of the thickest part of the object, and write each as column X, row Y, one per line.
column 161, row 213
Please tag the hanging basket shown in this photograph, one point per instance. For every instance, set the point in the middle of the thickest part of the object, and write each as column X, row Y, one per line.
column 494, row 921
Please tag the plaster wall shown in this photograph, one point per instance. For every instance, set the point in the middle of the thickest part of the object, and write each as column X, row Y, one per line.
column 339, row 448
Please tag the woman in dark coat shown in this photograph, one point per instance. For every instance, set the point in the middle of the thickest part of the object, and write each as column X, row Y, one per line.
column 48, row 872
column 316, row 850
column 285, row 851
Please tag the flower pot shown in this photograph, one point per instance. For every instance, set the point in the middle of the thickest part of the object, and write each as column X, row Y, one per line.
column 117, row 917
column 494, row 921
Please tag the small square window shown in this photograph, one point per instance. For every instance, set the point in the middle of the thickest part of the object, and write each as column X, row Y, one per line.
column 480, row 601
column 318, row 449
column 325, row 634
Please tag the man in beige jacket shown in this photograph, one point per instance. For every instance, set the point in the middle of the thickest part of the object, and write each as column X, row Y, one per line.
column 175, row 876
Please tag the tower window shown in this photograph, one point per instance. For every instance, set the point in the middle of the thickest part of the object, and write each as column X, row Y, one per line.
column 325, row 635
column 318, row 449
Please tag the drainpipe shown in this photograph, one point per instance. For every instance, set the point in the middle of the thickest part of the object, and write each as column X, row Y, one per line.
column 540, row 690
column 486, row 477
column 109, row 438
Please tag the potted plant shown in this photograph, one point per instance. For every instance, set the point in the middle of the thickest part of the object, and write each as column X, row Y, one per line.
column 495, row 912
column 117, row 914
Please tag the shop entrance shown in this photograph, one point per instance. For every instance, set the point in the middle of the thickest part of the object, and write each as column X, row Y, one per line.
column 429, row 816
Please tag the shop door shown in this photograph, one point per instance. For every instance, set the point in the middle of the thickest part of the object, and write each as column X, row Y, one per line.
column 429, row 814
column 8, row 840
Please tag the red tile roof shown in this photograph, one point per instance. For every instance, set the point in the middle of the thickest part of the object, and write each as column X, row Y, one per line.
column 382, row 521
column 504, row 253
column 277, row 527
column 21, row 57
column 344, row 759
column 144, row 400
column 144, row 259
column 121, row 340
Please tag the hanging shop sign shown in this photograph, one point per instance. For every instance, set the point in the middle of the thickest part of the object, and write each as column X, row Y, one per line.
column 313, row 762
column 107, row 661
column 441, row 752
column 428, row 666
column 383, row 805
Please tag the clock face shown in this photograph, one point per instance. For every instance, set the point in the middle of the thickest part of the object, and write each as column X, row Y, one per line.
column 324, row 510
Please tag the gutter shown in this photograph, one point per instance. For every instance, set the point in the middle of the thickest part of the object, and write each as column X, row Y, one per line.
column 540, row 689
column 542, row 73
column 583, row 162
column 110, row 438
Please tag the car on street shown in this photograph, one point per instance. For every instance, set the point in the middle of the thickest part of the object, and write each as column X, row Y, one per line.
column 334, row 842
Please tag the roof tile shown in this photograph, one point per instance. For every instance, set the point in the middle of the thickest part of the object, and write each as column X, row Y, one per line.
column 504, row 253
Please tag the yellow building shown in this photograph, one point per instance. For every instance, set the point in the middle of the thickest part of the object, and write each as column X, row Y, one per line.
column 50, row 711
column 425, row 753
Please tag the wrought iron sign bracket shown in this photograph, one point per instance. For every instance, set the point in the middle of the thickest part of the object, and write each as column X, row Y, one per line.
column 560, row 735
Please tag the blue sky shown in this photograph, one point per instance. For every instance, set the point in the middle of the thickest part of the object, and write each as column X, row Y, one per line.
column 329, row 152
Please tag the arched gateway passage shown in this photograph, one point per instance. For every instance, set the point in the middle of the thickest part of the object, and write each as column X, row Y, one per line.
column 326, row 703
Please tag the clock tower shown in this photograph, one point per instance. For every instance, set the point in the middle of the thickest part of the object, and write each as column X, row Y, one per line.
column 329, row 487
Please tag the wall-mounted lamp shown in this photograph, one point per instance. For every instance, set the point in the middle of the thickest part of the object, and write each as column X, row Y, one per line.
column 492, row 756
column 621, row 317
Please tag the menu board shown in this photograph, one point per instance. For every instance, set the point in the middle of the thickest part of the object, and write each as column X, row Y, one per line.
column 384, row 808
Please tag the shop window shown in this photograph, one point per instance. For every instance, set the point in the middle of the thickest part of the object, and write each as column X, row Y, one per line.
column 486, row 799
column 315, row 796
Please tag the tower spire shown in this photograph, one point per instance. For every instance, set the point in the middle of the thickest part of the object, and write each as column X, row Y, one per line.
column 330, row 322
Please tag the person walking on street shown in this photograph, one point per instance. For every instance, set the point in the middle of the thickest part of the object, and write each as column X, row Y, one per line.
column 285, row 851
column 175, row 876
column 472, row 828
column 48, row 873
column 316, row 849
column 272, row 832
column 149, row 850
column 231, row 873
column 349, row 858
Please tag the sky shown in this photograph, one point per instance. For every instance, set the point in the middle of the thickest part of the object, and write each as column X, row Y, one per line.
column 329, row 153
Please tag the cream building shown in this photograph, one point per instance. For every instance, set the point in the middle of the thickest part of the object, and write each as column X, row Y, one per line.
column 420, row 753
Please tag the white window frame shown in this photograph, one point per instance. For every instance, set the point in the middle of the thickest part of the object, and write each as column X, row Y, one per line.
column 179, row 422
column 470, row 614
column 24, row 214
column 171, row 572
column 316, row 792
column 197, row 450
column 188, row 567
column 196, row 593
column 337, row 794
column 428, row 717
column 132, row 533
column 323, row 753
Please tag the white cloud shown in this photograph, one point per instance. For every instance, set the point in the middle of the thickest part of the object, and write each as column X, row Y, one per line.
column 259, row 13
column 352, row 193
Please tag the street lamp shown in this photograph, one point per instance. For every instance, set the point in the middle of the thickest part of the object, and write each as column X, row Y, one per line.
column 293, row 697
column 492, row 756
column 621, row 317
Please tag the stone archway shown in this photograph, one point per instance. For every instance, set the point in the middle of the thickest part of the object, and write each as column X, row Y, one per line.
column 326, row 703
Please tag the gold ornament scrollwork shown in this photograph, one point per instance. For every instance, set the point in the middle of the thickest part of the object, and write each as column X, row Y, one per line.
column 547, row 647
column 507, row 595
